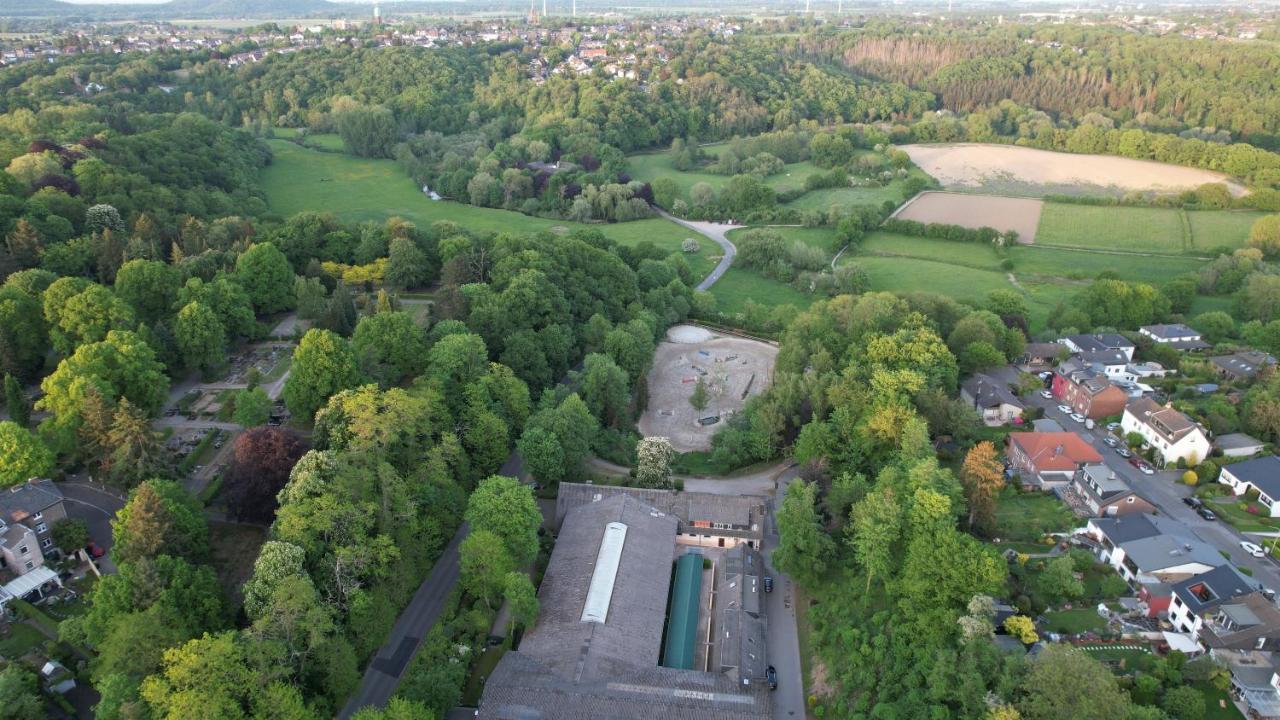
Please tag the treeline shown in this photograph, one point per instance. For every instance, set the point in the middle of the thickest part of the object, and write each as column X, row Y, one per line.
column 954, row 233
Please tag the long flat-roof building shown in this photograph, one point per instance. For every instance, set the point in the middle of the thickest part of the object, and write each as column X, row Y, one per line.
column 704, row 519
column 579, row 665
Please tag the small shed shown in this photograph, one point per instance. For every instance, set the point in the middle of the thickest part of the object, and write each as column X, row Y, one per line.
column 1239, row 445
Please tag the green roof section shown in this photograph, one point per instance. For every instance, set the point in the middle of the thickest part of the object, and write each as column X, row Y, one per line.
column 682, row 623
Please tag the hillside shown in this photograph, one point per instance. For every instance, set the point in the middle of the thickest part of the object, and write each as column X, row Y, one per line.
column 175, row 9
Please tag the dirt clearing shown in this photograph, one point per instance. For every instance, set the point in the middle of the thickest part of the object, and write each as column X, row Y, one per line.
column 1023, row 170
column 729, row 369
column 1021, row 215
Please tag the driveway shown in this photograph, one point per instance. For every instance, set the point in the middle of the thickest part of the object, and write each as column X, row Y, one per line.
column 1165, row 490
column 716, row 232
column 96, row 506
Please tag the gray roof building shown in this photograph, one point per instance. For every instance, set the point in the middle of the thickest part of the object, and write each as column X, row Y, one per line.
column 740, row 632
column 1162, row 552
column 704, row 514
column 1098, row 341
column 1242, row 365
column 1238, row 444
column 984, row 391
column 21, row 502
column 606, row 666
column 1210, row 589
column 1262, row 473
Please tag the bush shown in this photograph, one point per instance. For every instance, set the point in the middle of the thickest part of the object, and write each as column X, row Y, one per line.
column 1189, row 478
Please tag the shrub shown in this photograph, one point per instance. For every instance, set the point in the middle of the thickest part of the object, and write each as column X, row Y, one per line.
column 1189, row 478
column 689, row 245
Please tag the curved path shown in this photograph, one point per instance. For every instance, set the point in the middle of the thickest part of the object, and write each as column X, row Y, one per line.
column 718, row 232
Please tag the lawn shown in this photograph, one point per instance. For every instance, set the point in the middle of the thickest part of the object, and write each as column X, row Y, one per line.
column 823, row 238
column 824, row 198
column 360, row 190
column 1127, row 661
column 647, row 167
column 1220, row 228
column 1217, row 703
column 1206, row 303
column 1026, row 517
column 234, row 548
column 22, row 639
column 1077, row 265
column 739, row 285
column 1234, row 513
column 899, row 274
column 1137, row 229
column 1074, row 621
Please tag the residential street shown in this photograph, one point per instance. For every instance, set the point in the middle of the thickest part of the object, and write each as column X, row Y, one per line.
column 784, row 639
column 96, row 506
column 1165, row 491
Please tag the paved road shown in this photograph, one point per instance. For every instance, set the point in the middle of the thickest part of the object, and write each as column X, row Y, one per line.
column 1165, row 491
column 783, row 637
column 382, row 677
column 716, row 232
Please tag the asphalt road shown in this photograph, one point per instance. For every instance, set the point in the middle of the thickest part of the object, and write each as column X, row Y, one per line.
column 96, row 506
column 783, row 638
column 1165, row 490
column 382, row 677
column 716, row 232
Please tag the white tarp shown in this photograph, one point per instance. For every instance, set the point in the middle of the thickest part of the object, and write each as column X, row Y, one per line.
column 1181, row 642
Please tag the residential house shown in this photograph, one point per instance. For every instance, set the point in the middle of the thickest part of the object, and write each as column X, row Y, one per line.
column 1173, row 435
column 1042, row 356
column 1088, row 391
column 1106, row 494
column 992, row 400
column 1255, row 683
column 1112, row 363
column 704, row 519
column 1177, row 336
column 1238, row 445
column 1245, row 622
column 19, row 549
column 1242, row 366
column 1199, row 597
column 1151, row 549
column 36, row 504
column 1049, row 459
column 1099, row 341
column 1260, row 474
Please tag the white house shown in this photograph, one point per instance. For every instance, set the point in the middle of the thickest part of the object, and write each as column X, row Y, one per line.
column 1099, row 341
column 1177, row 336
column 1195, row 598
column 1146, row 548
column 1261, row 474
column 1174, row 435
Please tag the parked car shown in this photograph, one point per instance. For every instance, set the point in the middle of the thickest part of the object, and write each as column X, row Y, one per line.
column 1123, row 452
column 1206, row 513
column 1192, row 501
column 1110, row 441
column 771, row 676
column 1146, row 469
column 1135, row 461
column 1046, row 394
column 94, row 550
column 1077, row 417
column 1044, row 374
column 768, row 583
column 1065, row 409
column 1252, row 549
column 1113, row 426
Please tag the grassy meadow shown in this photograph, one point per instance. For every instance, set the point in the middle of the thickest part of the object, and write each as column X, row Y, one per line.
column 364, row 190
column 1143, row 229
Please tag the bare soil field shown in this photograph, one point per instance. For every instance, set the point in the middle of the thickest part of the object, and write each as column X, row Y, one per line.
column 732, row 369
column 1023, row 170
column 1021, row 215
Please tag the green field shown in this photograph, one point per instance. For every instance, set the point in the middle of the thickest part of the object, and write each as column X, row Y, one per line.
column 648, row 167
column 1105, row 227
column 740, row 285
column 1143, row 229
column 359, row 190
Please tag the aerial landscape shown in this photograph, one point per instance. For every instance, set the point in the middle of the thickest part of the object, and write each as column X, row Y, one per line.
column 794, row 359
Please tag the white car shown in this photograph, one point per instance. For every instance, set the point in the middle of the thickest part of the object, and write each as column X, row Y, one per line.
column 1113, row 426
column 1252, row 549
column 1065, row 408
column 1077, row 417
column 1146, row 469
column 1046, row 394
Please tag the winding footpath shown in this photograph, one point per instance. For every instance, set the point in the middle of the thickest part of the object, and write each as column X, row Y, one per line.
column 718, row 233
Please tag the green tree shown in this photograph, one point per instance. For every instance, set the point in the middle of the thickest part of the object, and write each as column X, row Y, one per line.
column 664, row 192
column 20, row 694
column 698, row 398
column 804, row 550
column 542, row 454
column 407, row 265
column 16, row 401
column 70, row 534
column 367, row 131
column 323, row 364
column 1058, row 581
column 522, row 599
column 1216, row 326
column 159, row 518
column 311, row 298
column 876, row 526
column 24, row 336
column 84, row 316
column 133, row 449
column 264, row 273
column 1265, row 235
column 24, row 244
column 506, row 508
column 276, row 562
column 390, row 347
column 1023, row 628
column 1065, row 682
column 453, row 362
column 252, row 408
column 208, row 677
column 653, row 462
column 983, row 477
column 484, row 563
column 149, row 286
column 200, row 337
column 22, row 455
column 604, row 389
